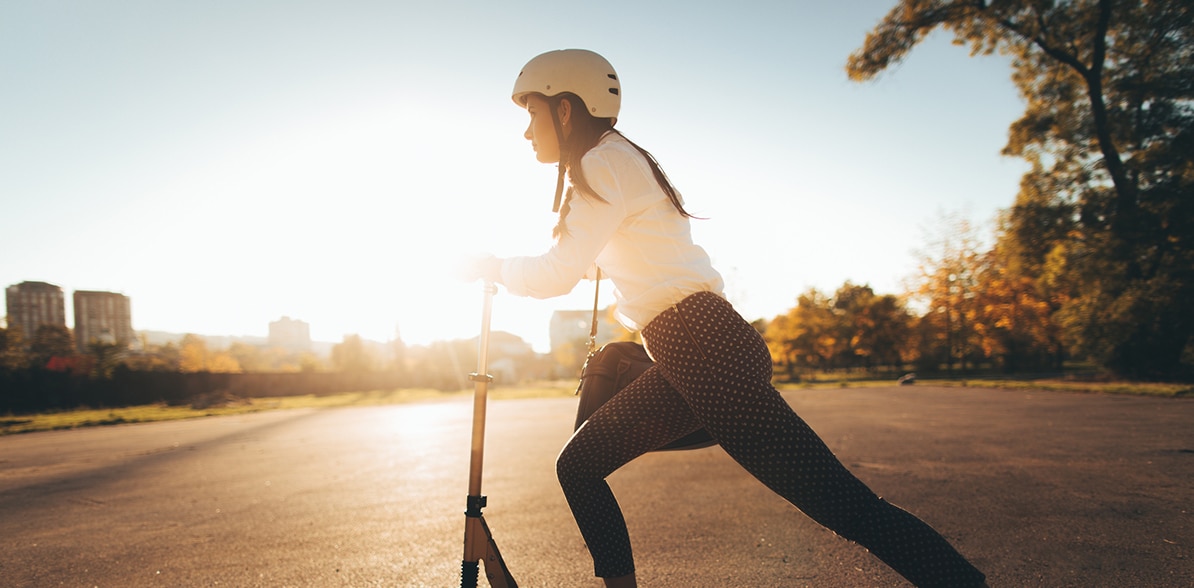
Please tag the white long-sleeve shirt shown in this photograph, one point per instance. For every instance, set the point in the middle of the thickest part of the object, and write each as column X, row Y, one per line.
column 637, row 237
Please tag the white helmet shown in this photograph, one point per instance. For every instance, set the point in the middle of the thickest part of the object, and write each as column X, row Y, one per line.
column 581, row 72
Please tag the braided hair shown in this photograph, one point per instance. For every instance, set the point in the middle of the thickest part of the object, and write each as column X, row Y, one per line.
column 587, row 131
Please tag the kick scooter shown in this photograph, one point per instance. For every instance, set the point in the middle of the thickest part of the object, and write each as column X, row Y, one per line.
column 478, row 542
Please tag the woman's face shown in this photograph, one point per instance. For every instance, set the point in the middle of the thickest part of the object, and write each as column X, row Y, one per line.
column 541, row 133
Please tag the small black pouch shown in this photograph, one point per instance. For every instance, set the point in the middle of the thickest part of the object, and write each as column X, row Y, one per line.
column 613, row 367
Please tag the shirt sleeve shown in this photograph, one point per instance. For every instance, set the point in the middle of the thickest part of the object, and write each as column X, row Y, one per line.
column 590, row 223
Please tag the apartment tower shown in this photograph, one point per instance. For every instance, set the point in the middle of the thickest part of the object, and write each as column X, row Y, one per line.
column 290, row 334
column 102, row 317
column 33, row 304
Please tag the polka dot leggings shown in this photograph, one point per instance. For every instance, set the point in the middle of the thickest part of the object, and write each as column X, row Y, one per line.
column 713, row 370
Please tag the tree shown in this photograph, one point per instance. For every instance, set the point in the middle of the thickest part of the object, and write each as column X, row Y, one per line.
column 947, row 285
column 1109, row 87
column 398, row 357
column 814, row 338
column 351, row 356
column 853, row 328
column 154, row 358
column 193, row 356
column 1014, row 321
column 51, row 341
column 105, row 357
column 779, row 336
column 12, row 349
column 875, row 326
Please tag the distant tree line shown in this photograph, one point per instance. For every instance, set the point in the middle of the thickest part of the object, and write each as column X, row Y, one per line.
column 962, row 312
column 46, row 372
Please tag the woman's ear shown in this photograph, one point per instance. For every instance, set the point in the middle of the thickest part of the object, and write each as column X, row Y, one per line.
column 565, row 111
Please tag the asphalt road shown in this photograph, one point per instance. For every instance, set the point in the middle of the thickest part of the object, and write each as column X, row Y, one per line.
column 1038, row 489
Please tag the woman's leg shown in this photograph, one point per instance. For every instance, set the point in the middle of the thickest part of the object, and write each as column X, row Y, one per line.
column 721, row 367
column 644, row 415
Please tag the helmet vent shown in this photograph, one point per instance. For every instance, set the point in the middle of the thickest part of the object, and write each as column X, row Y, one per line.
column 613, row 91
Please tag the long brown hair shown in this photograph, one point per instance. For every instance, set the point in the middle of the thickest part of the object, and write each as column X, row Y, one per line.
column 587, row 131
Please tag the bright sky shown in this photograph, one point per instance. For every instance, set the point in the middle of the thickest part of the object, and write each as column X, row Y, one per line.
column 226, row 163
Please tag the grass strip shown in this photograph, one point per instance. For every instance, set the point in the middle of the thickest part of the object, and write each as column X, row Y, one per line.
column 1160, row 389
column 88, row 417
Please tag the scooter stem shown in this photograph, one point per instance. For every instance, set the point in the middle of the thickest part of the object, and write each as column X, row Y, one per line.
column 479, row 546
column 481, row 380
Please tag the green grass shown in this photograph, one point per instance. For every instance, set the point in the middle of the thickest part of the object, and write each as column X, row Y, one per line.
column 1129, row 388
column 87, row 417
column 1051, row 385
column 161, row 412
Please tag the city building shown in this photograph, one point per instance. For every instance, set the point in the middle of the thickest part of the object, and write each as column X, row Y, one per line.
column 33, row 304
column 102, row 317
column 290, row 334
column 572, row 327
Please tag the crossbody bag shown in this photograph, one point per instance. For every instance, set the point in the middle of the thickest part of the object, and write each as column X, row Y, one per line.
column 611, row 368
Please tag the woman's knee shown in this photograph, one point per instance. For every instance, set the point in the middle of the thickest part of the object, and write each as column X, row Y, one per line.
column 570, row 466
column 583, row 463
column 564, row 467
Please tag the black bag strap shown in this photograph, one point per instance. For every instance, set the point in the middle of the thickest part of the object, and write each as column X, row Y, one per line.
column 593, row 329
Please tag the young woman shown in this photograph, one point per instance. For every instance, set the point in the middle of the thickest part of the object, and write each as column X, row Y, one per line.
column 712, row 370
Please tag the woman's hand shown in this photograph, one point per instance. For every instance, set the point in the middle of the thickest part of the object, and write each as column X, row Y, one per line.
column 487, row 267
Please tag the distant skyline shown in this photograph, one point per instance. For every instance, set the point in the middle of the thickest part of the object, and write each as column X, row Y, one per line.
column 224, row 164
